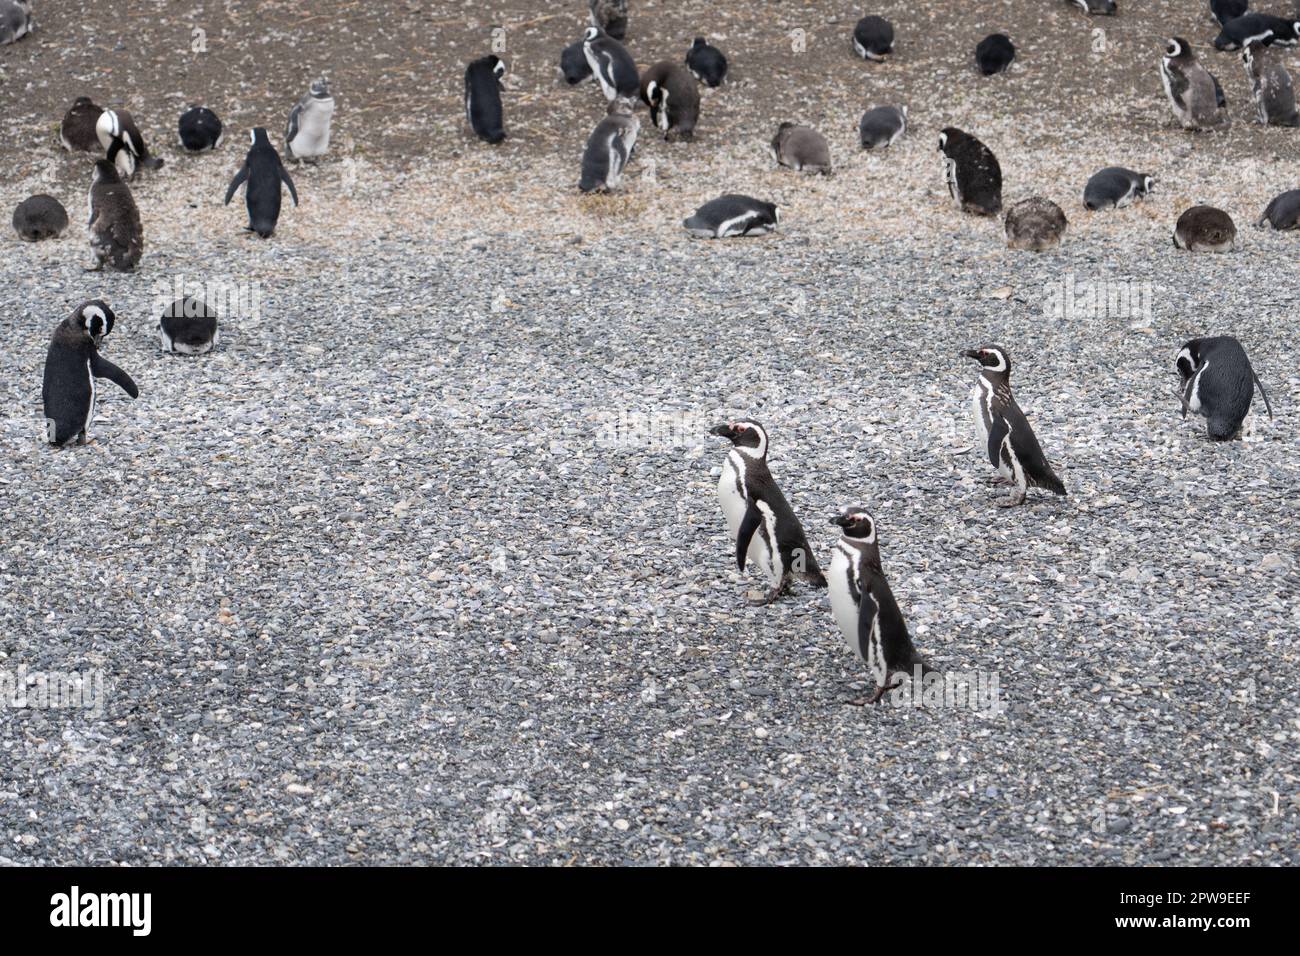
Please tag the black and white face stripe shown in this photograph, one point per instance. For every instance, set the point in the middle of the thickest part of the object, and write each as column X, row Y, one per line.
column 993, row 358
column 857, row 524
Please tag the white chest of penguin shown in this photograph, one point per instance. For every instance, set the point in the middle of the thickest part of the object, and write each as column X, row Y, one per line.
column 844, row 568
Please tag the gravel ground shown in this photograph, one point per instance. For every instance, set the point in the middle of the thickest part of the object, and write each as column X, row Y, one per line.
column 395, row 575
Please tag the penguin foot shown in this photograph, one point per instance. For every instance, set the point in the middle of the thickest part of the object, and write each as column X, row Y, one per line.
column 1018, row 499
column 881, row 691
column 764, row 598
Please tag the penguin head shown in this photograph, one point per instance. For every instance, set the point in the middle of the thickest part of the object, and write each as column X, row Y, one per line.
column 699, row 42
column 949, row 137
column 857, row 523
column 1148, row 184
column 746, row 434
column 105, row 172
column 96, row 318
column 320, row 88
column 1188, row 359
column 257, row 136
column 1176, row 48
column 591, row 34
column 498, row 65
column 993, row 358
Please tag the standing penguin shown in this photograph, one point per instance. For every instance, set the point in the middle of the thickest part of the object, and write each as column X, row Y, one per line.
column 707, row 63
column 1003, row 432
column 973, row 174
column 1219, row 383
column 759, row 518
column 483, row 98
column 15, row 20
column 611, row 64
column 879, row 127
column 1115, row 187
column 674, row 100
column 307, row 135
column 994, row 54
column 801, row 148
column 72, row 364
column 608, row 148
column 78, row 132
column 200, row 129
column 610, row 16
column 1205, row 229
column 1282, row 212
column 873, row 38
column 115, row 232
column 264, row 172
column 1190, row 88
column 123, row 143
column 864, row 607
column 1270, row 86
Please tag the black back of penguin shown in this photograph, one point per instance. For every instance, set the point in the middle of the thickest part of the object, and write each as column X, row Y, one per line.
column 573, row 64
column 707, row 63
column 1219, row 383
column 483, row 98
column 199, row 129
column 994, row 54
column 264, row 173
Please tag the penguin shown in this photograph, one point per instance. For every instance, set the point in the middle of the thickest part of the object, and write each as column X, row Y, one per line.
column 1270, row 86
column 881, row 126
column 1283, row 212
column 483, row 98
column 1259, row 28
column 610, row 16
column 1205, row 229
column 200, row 129
column 994, row 54
column 1226, row 10
column 188, row 327
column 264, row 172
column 307, row 134
column 609, row 147
column 973, row 174
column 1003, row 432
column 78, row 132
column 573, row 64
column 759, row 519
column 674, row 100
column 40, row 217
column 707, row 63
column 733, row 215
column 1115, row 187
column 864, row 607
column 1190, row 89
column 611, row 64
column 125, row 147
column 115, row 232
column 72, row 364
column 1219, row 383
column 15, row 20
column 873, row 38
column 1096, row 8
column 801, row 148
column 1035, row 225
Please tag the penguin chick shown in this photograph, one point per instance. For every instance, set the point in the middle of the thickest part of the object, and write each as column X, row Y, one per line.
column 759, row 519
column 307, row 134
column 79, row 130
column 610, row 16
column 881, row 126
column 1270, row 86
column 114, row 229
column 40, row 217
column 801, row 148
column 1190, row 88
column 1282, row 212
column 1035, row 225
column 609, row 147
column 15, row 20
column 1205, row 229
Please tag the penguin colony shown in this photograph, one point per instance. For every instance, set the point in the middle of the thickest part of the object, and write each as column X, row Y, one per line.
column 1217, row 380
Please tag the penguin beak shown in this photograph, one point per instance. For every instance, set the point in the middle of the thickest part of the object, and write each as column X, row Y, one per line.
column 722, row 431
column 970, row 353
column 838, row 520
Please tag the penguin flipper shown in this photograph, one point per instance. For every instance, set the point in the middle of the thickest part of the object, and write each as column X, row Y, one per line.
column 998, row 430
column 236, row 183
column 1261, row 392
column 103, row 368
column 284, row 175
column 748, row 525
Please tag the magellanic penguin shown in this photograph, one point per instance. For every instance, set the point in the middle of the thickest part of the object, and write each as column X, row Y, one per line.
column 1219, row 383
column 15, row 20
column 733, row 215
column 609, row 147
column 1259, row 28
column 1226, row 10
column 873, row 38
column 188, row 327
column 264, row 172
column 124, row 145
column 864, row 607
column 72, row 364
column 307, row 134
column 1115, row 187
column 1096, row 8
column 1282, row 212
column 1035, row 225
column 881, row 126
column 994, row 54
column 40, row 217
column 1205, row 229
column 79, row 130
column 610, row 16
column 759, row 519
column 1003, row 432
column 611, row 65
column 199, row 129
column 1270, row 86
column 801, row 148
column 114, row 229
column 973, row 174
column 483, row 98
column 707, row 63
column 674, row 100
column 1190, row 88
column 573, row 64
